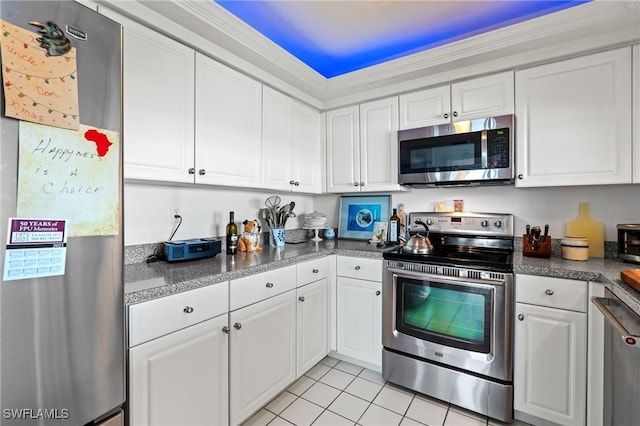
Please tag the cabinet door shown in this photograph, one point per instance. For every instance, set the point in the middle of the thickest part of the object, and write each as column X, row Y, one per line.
column 263, row 353
column 550, row 365
column 379, row 145
column 228, row 126
column 158, row 110
column 277, row 155
column 359, row 325
column 307, row 132
column 482, row 97
column 343, row 150
column 181, row 378
column 312, row 324
column 428, row 107
column 636, row 114
column 574, row 121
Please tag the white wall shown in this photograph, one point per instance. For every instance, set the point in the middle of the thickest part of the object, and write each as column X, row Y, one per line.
column 205, row 210
column 611, row 204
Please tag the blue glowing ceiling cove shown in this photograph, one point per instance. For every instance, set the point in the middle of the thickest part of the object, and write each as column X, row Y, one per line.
column 302, row 28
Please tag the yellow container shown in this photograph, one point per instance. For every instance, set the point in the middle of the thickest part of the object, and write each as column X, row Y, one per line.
column 585, row 226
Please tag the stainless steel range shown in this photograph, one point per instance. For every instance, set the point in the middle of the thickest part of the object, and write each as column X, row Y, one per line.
column 447, row 311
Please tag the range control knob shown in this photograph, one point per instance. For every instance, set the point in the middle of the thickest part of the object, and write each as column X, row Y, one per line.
column 484, row 223
column 429, row 222
column 498, row 223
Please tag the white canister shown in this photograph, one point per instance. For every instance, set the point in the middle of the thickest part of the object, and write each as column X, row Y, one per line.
column 575, row 248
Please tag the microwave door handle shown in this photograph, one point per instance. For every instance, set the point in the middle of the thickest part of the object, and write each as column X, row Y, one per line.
column 483, row 146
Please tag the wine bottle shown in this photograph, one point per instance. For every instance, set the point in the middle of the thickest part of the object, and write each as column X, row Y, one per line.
column 232, row 235
column 394, row 227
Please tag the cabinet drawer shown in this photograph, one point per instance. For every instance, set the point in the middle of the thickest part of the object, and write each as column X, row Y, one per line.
column 252, row 289
column 357, row 267
column 552, row 292
column 312, row 270
column 155, row 318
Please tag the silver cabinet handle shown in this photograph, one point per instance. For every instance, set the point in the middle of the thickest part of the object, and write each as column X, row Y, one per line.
column 292, row 182
column 361, row 183
column 202, row 172
column 378, row 292
column 548, row 292
column 187, row 309
column 521, row 317
column 446, row 115
column 192, row 171
column 301, row 298
column 357, row 268
column 269, row 285
column 315, row 271
column 225, row 329
column 356, row 183
column 237, row 326
column 297, row 183
column 520, row 176
column 455, row 113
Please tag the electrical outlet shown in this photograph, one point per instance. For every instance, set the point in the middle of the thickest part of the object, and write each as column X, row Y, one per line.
column 173, row 211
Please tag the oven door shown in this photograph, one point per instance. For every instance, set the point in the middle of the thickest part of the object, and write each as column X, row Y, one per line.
column 458, row 322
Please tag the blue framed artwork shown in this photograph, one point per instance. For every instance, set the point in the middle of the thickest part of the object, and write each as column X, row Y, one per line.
column 358, row 213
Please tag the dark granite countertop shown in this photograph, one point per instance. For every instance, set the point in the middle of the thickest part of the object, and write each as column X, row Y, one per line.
column 149, row 281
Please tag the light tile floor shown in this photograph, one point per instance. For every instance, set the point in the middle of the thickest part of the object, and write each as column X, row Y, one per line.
column 335, row 393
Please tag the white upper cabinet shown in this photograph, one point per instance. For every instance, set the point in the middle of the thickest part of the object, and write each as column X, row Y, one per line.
column 362, row 147
column 290, row 144
column 636, row 114
column 574, row 121
column 488, row 96
column 157, row 105
column 228, row 137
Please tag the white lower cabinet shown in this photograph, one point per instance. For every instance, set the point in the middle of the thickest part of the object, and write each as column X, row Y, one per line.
column 312, row 324
column 178, row 359
column 359, row 323
column 262, row 353
column 181, row 378
column 550, row 369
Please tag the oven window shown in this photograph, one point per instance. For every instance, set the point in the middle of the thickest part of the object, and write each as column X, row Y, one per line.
column 453, row 315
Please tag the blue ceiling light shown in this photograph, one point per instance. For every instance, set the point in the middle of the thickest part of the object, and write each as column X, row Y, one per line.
column 292, row 26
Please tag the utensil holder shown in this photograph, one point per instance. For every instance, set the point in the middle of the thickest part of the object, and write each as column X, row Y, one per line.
column 276, row 237
column 536, row 247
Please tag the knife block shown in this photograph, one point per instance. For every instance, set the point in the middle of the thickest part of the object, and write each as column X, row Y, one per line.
column 536, row 248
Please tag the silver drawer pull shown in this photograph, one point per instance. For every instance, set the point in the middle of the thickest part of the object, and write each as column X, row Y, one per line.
column 378, row 293
column 237, row 326
column 521, row 317
column 301, row 298
column 357, row 268
column 315, row 271
column 548, row 292
column 225, row 329
column 269, row 285
column 187, row 310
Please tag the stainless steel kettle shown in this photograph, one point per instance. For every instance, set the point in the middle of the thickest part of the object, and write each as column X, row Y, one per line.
column 418, row 243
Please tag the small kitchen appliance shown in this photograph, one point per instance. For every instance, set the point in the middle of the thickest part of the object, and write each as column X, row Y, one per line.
column 472, row 152
column 447, row 312
column 199, row 248
column 629, row 242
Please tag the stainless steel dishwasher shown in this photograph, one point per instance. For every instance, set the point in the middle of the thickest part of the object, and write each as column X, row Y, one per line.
column 621, row 361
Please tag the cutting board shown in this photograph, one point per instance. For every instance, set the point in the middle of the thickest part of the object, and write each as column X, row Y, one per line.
column 585, row 226
column 631, row 277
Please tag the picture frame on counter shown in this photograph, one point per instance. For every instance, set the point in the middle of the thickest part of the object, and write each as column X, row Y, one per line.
column 359, row 213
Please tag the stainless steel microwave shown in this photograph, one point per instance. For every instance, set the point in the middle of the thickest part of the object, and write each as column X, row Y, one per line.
column 472, row 152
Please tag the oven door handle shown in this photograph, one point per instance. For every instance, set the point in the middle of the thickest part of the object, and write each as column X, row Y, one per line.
column 446, row 278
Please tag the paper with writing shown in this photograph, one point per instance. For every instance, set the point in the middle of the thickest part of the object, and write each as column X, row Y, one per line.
column 38, row 87
column 70, row 174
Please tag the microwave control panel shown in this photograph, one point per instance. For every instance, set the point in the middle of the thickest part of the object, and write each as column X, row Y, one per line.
column 498, row 148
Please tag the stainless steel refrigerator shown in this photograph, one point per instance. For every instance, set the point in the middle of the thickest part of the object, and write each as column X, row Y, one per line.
column 62, row 357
